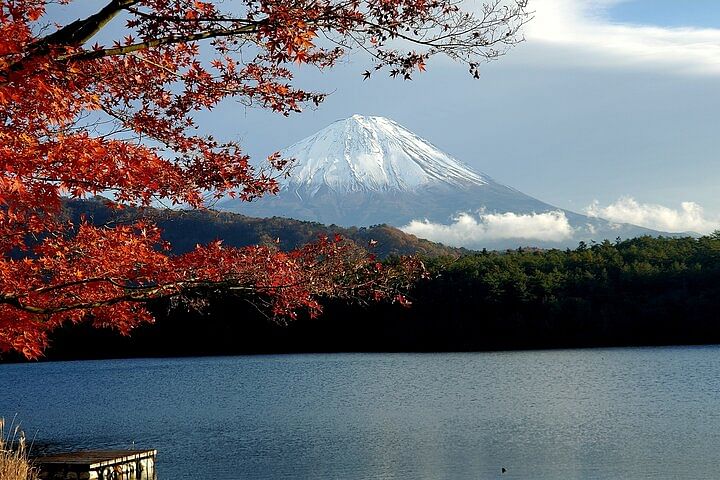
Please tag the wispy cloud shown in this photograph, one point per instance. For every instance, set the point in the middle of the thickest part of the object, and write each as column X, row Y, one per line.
column 471, row 230
column 591, row 39
column 690, row 217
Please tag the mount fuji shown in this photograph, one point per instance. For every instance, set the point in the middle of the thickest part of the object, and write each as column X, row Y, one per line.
column 366, row 170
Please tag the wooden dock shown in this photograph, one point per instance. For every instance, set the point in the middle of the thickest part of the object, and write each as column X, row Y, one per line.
column 98, row 465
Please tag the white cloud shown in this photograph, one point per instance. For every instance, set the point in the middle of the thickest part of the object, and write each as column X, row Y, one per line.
column 468, row 230
column 593, row 40
column 690, row 217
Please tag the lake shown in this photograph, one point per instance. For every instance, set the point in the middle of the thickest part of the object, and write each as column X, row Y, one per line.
column 600, row 414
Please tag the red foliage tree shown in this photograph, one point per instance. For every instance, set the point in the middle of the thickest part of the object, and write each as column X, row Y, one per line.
column 79, row 118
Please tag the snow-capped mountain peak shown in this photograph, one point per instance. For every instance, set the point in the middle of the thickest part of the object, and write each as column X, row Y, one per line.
column 369, row 170
column 364, row 153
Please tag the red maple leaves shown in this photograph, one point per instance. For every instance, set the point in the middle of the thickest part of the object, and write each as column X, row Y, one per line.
column 79, row 118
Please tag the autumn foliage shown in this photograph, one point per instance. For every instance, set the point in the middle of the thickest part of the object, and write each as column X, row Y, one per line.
column 83, row 112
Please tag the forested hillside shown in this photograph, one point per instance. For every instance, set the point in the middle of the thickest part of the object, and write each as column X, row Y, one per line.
column 186, row 228
column 644, row 291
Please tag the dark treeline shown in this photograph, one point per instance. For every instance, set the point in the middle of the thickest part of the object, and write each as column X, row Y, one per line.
column 644, row 291
column 640, row 291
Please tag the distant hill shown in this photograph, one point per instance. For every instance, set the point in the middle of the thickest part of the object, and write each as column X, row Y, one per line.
column 186, row 228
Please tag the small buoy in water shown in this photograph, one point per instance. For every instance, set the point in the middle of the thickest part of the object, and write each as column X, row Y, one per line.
column 503, row 470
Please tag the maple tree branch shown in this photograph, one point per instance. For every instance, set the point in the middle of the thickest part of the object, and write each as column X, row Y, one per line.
column 74, row 34
column 157, row 42
column 134, row 293
column 80, row 31
column 15, row 302
column 146, row 293
column 437, row 42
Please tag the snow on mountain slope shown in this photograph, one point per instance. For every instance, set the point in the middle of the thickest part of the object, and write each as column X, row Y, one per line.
column 372, row 154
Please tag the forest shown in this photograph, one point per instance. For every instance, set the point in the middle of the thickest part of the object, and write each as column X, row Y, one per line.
column 641, row 291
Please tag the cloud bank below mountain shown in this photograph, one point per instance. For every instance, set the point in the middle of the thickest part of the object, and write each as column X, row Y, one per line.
column 690, row 217
column 468, row 230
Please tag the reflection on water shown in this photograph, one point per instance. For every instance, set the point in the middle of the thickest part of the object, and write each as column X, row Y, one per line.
column 602, row 414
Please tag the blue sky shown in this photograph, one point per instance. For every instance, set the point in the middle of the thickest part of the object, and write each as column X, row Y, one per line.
column 609, row 106
column 668, row 13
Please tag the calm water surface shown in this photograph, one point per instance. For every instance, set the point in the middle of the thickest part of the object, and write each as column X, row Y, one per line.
column 599, row 414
